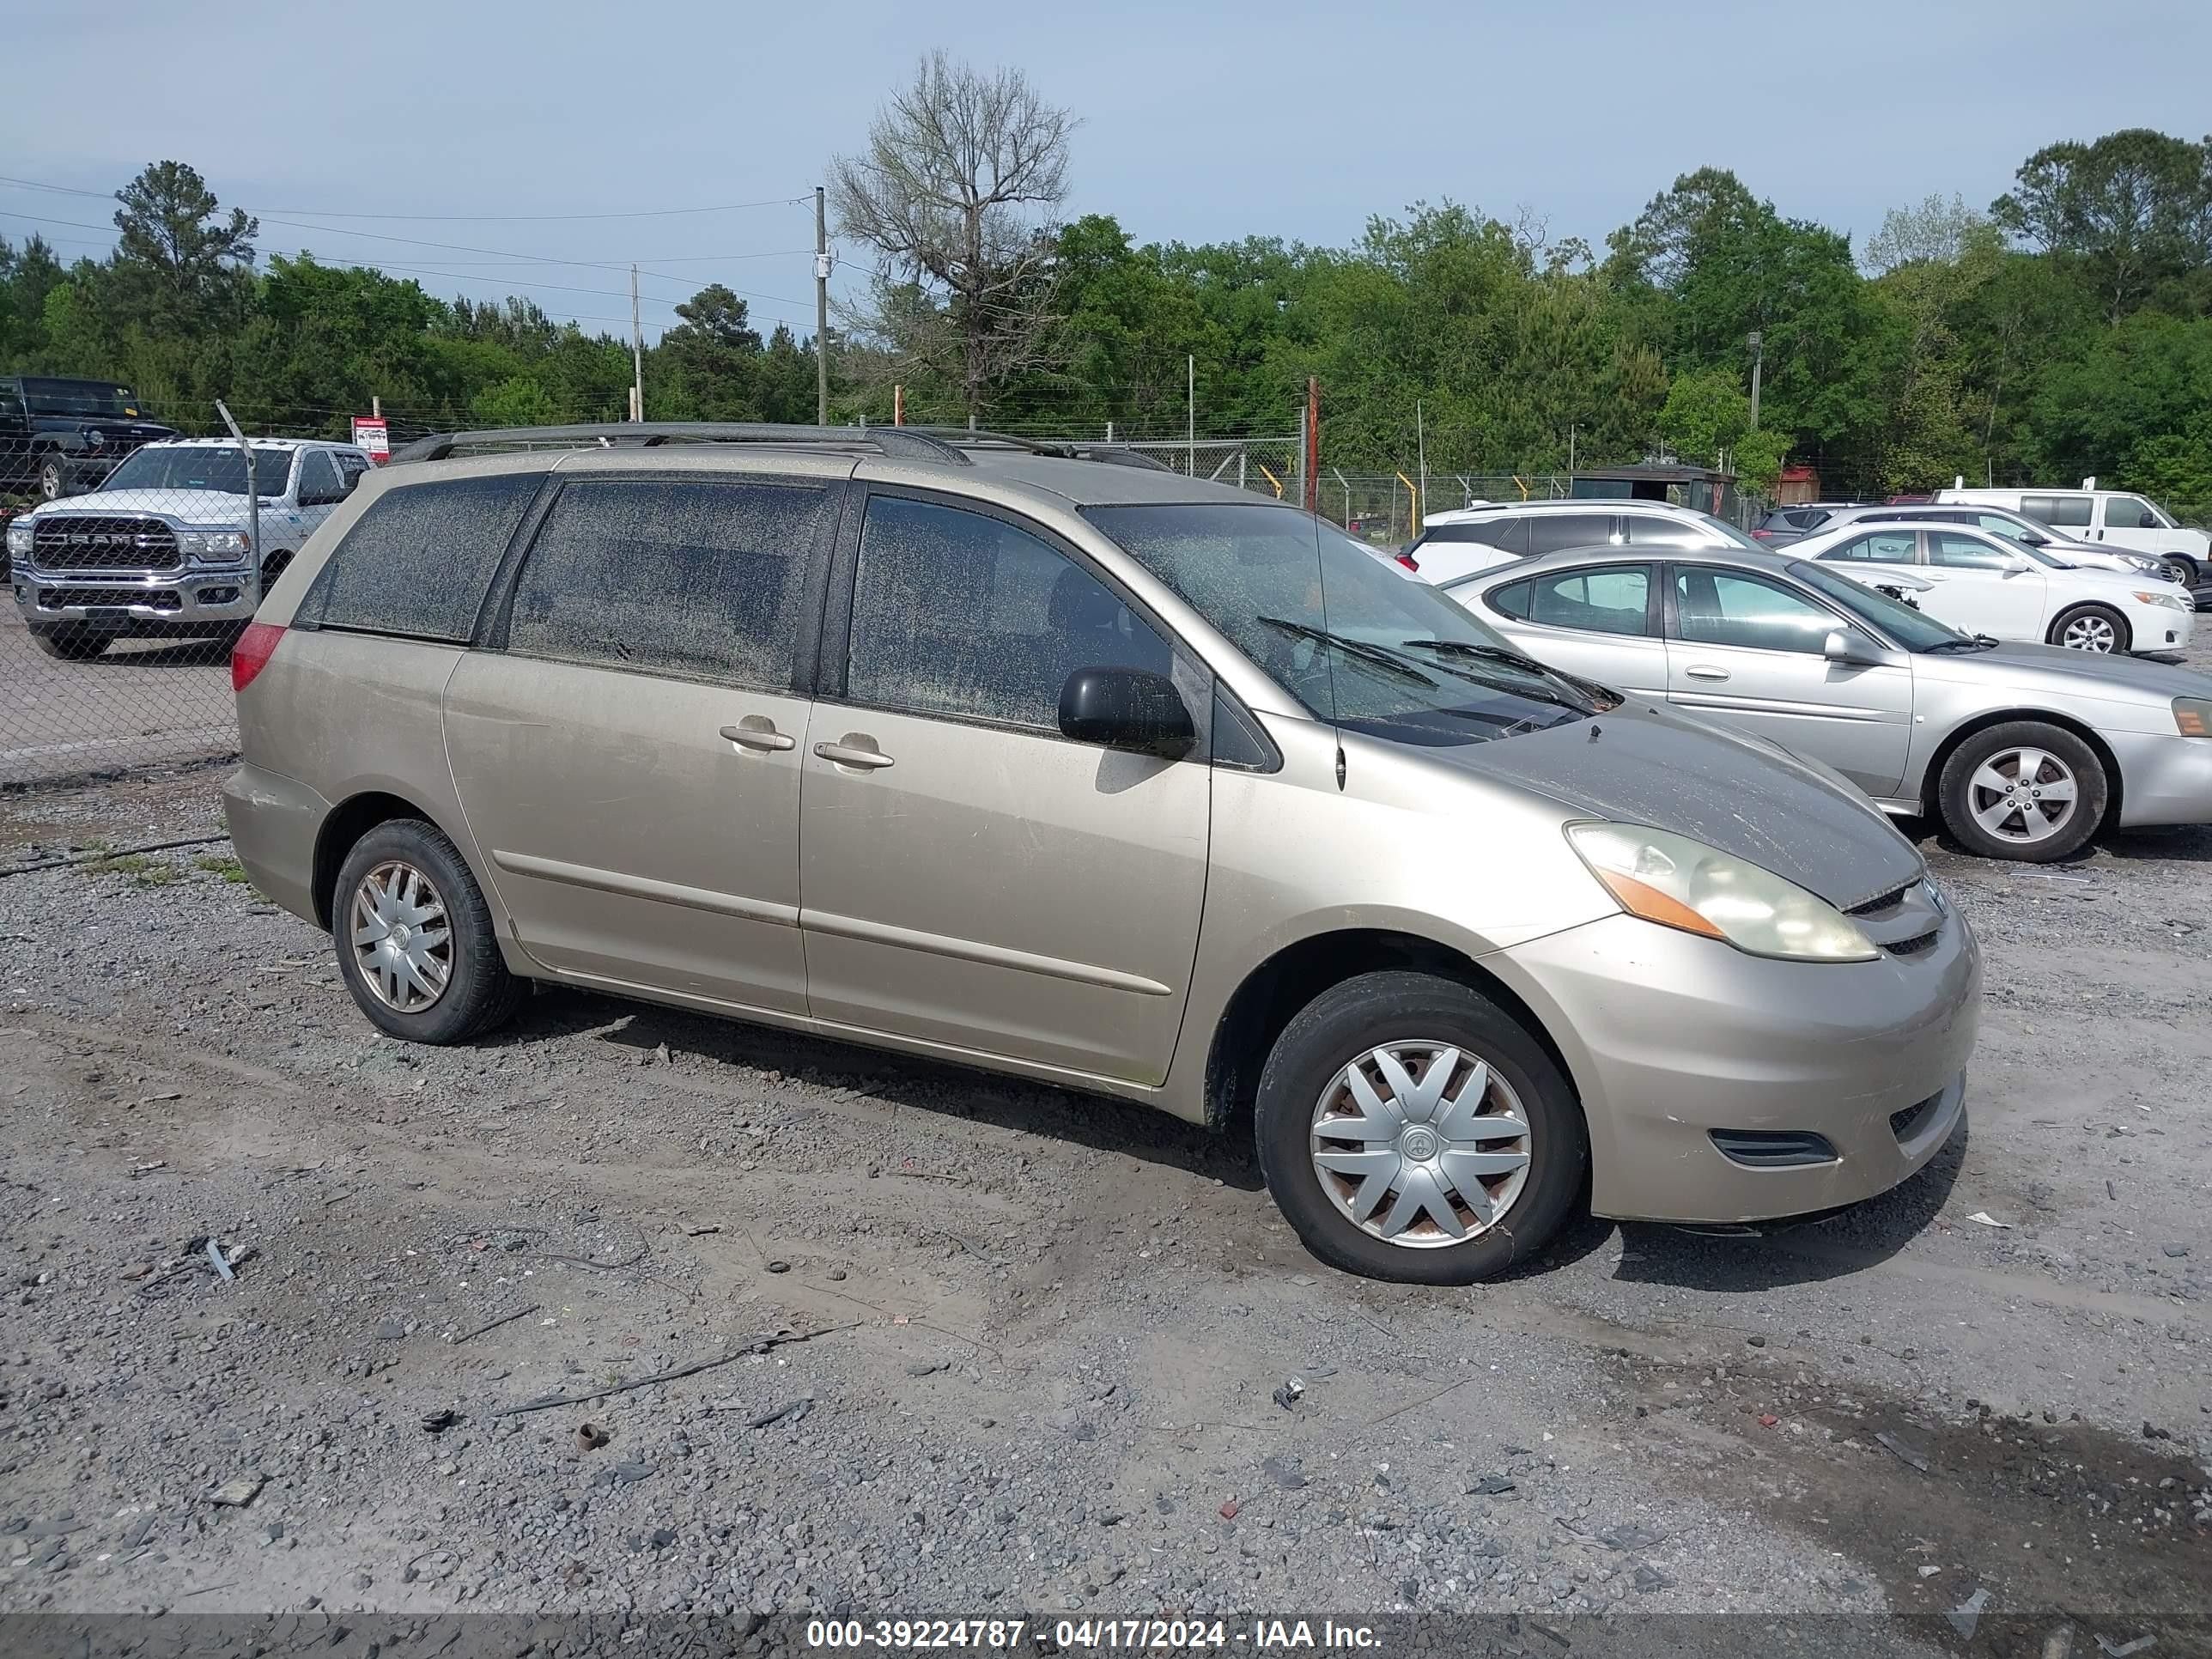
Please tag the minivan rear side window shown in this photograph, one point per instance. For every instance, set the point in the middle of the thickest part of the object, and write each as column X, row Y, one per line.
column 2057, row 509
column 961, row 614
column 417, row 563
column 701, row 578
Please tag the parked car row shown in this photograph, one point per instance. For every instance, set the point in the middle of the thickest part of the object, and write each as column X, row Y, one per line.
column 163, row 547
column 1120, row 779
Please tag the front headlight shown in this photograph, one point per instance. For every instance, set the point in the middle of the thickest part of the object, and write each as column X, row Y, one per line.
column 212, row 544
column 2193, row 716
column 1679, row 883
column 20, row 539
column 2171, row 601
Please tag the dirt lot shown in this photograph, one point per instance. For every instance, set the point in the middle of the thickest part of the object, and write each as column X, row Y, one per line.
column 1040, row 1342
column 142, row 701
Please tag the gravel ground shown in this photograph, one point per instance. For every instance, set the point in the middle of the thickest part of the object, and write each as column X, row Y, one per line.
column 958, row 1345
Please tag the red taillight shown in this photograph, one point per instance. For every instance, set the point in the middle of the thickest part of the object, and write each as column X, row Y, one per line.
column 1761, row 535
column 1406, row 559
column 252, row 652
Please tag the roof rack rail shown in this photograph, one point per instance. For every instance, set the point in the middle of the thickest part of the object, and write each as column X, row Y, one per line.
column 1070, row 449
column 904, row 442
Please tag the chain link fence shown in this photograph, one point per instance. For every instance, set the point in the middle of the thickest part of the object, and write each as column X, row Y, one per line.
column 130, row 586
column 132, row 570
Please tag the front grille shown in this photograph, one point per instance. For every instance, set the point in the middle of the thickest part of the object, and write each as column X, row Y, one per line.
column 1903, row 1124
column 156, row 599
column 84, row 542
column 1914, row 946
column 1878, row 907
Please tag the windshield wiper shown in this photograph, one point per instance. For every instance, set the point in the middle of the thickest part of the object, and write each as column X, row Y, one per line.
column 1971, row 643
column 1590, row 690
column 1389, row 660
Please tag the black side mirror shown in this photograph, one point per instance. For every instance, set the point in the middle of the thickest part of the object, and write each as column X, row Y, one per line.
column 2030, row 539
column 1128, row 708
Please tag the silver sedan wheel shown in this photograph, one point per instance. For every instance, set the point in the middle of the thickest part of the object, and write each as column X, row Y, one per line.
column 2023, row 795
column 401, row 940
column 2090, row 632
column 1420, row 1143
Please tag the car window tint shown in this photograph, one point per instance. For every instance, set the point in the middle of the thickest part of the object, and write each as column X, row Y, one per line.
column 418, row 560
column 1511, row 600
column 1879, row 547
column 1615, row 599
column 1724, row 607
column 1650, row 532
column 1957, row 551
column 959, row 613
column 2129, row 513
column 350, row 466
column 1489, row 534
column 698, row 578
column 318, row 477
column 2057, row 509
column 1550, row 531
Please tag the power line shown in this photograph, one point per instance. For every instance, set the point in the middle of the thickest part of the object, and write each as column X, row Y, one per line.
column 467, row 218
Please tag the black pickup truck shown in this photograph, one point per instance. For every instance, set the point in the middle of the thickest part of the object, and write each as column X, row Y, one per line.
column 58, row 437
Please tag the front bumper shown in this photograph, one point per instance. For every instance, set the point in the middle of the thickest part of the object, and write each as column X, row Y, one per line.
column 189, row 599
column 1669, row 1037
column 2164, row 778
column 2159, row 627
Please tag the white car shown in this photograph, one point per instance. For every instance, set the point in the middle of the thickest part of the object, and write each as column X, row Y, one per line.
column 1981, row 583
column 2105, row 518
column 1485, row 533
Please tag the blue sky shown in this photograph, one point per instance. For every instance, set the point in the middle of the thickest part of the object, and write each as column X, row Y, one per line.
column 1200, row 122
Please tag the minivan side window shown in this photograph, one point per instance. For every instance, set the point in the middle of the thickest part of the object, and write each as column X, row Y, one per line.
column 700, row 579
column 2057, row 509
column 417, row 563
column 961, row 614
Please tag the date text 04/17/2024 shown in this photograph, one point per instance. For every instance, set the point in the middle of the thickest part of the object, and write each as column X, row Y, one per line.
column 1163, row 1634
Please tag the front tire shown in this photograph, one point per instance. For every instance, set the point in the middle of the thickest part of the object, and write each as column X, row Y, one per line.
column 2181, row 570
column 72, row 644
column 2024, row 791
column 1411, row 1129
column 2093, row 628
column 416, row 941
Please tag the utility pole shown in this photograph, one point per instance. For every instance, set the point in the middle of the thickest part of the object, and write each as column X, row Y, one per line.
column 1571, row 448
column 1758, row 356
column 1421, row 450
column 636, row 354
column 822, row 265
column 1190, row 416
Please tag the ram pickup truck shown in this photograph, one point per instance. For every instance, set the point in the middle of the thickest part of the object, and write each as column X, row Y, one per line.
column 163, row 549
column 58, row 437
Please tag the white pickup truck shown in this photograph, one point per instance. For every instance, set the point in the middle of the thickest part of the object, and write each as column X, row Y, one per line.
column 161, row 548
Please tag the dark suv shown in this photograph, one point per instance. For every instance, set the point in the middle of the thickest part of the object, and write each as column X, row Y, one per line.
column 58, row 437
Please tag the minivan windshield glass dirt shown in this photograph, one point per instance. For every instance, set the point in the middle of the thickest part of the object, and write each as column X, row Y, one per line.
column 1386, row 654
column 201, row 466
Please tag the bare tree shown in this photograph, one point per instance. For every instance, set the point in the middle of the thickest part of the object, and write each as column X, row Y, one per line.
column 958, row 189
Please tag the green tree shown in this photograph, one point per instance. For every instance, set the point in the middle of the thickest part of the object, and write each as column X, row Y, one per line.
column 2134, row 207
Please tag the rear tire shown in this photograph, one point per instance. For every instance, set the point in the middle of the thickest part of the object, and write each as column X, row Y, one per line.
column 72, row 644
column 1305, row 1087
column 2093, row 628
column 1980, row 797
column 475, row 992
column 53, row 479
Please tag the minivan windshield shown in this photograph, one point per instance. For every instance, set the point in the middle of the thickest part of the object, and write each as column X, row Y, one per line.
column 201, row 466
column 1908, row 625
column 1350, row 636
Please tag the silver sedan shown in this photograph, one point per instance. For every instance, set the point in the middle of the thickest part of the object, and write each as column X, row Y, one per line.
column 2023, row 751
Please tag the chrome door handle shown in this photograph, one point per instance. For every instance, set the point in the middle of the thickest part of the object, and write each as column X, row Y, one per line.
column 844, row 754
column 763, row 736
column 1703, row 673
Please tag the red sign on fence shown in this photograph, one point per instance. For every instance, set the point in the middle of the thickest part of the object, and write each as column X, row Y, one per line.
column 371, row 433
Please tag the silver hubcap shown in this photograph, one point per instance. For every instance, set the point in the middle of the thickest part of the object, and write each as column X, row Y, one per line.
column 401, row 941
column 1420, row 1143
column 2023, row 795
column 2089, row 633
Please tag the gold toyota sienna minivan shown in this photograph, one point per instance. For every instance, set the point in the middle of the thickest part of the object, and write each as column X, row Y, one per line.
column 1066, row 765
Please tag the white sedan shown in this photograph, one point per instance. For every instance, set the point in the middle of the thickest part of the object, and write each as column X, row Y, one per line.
column 1981, row 583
